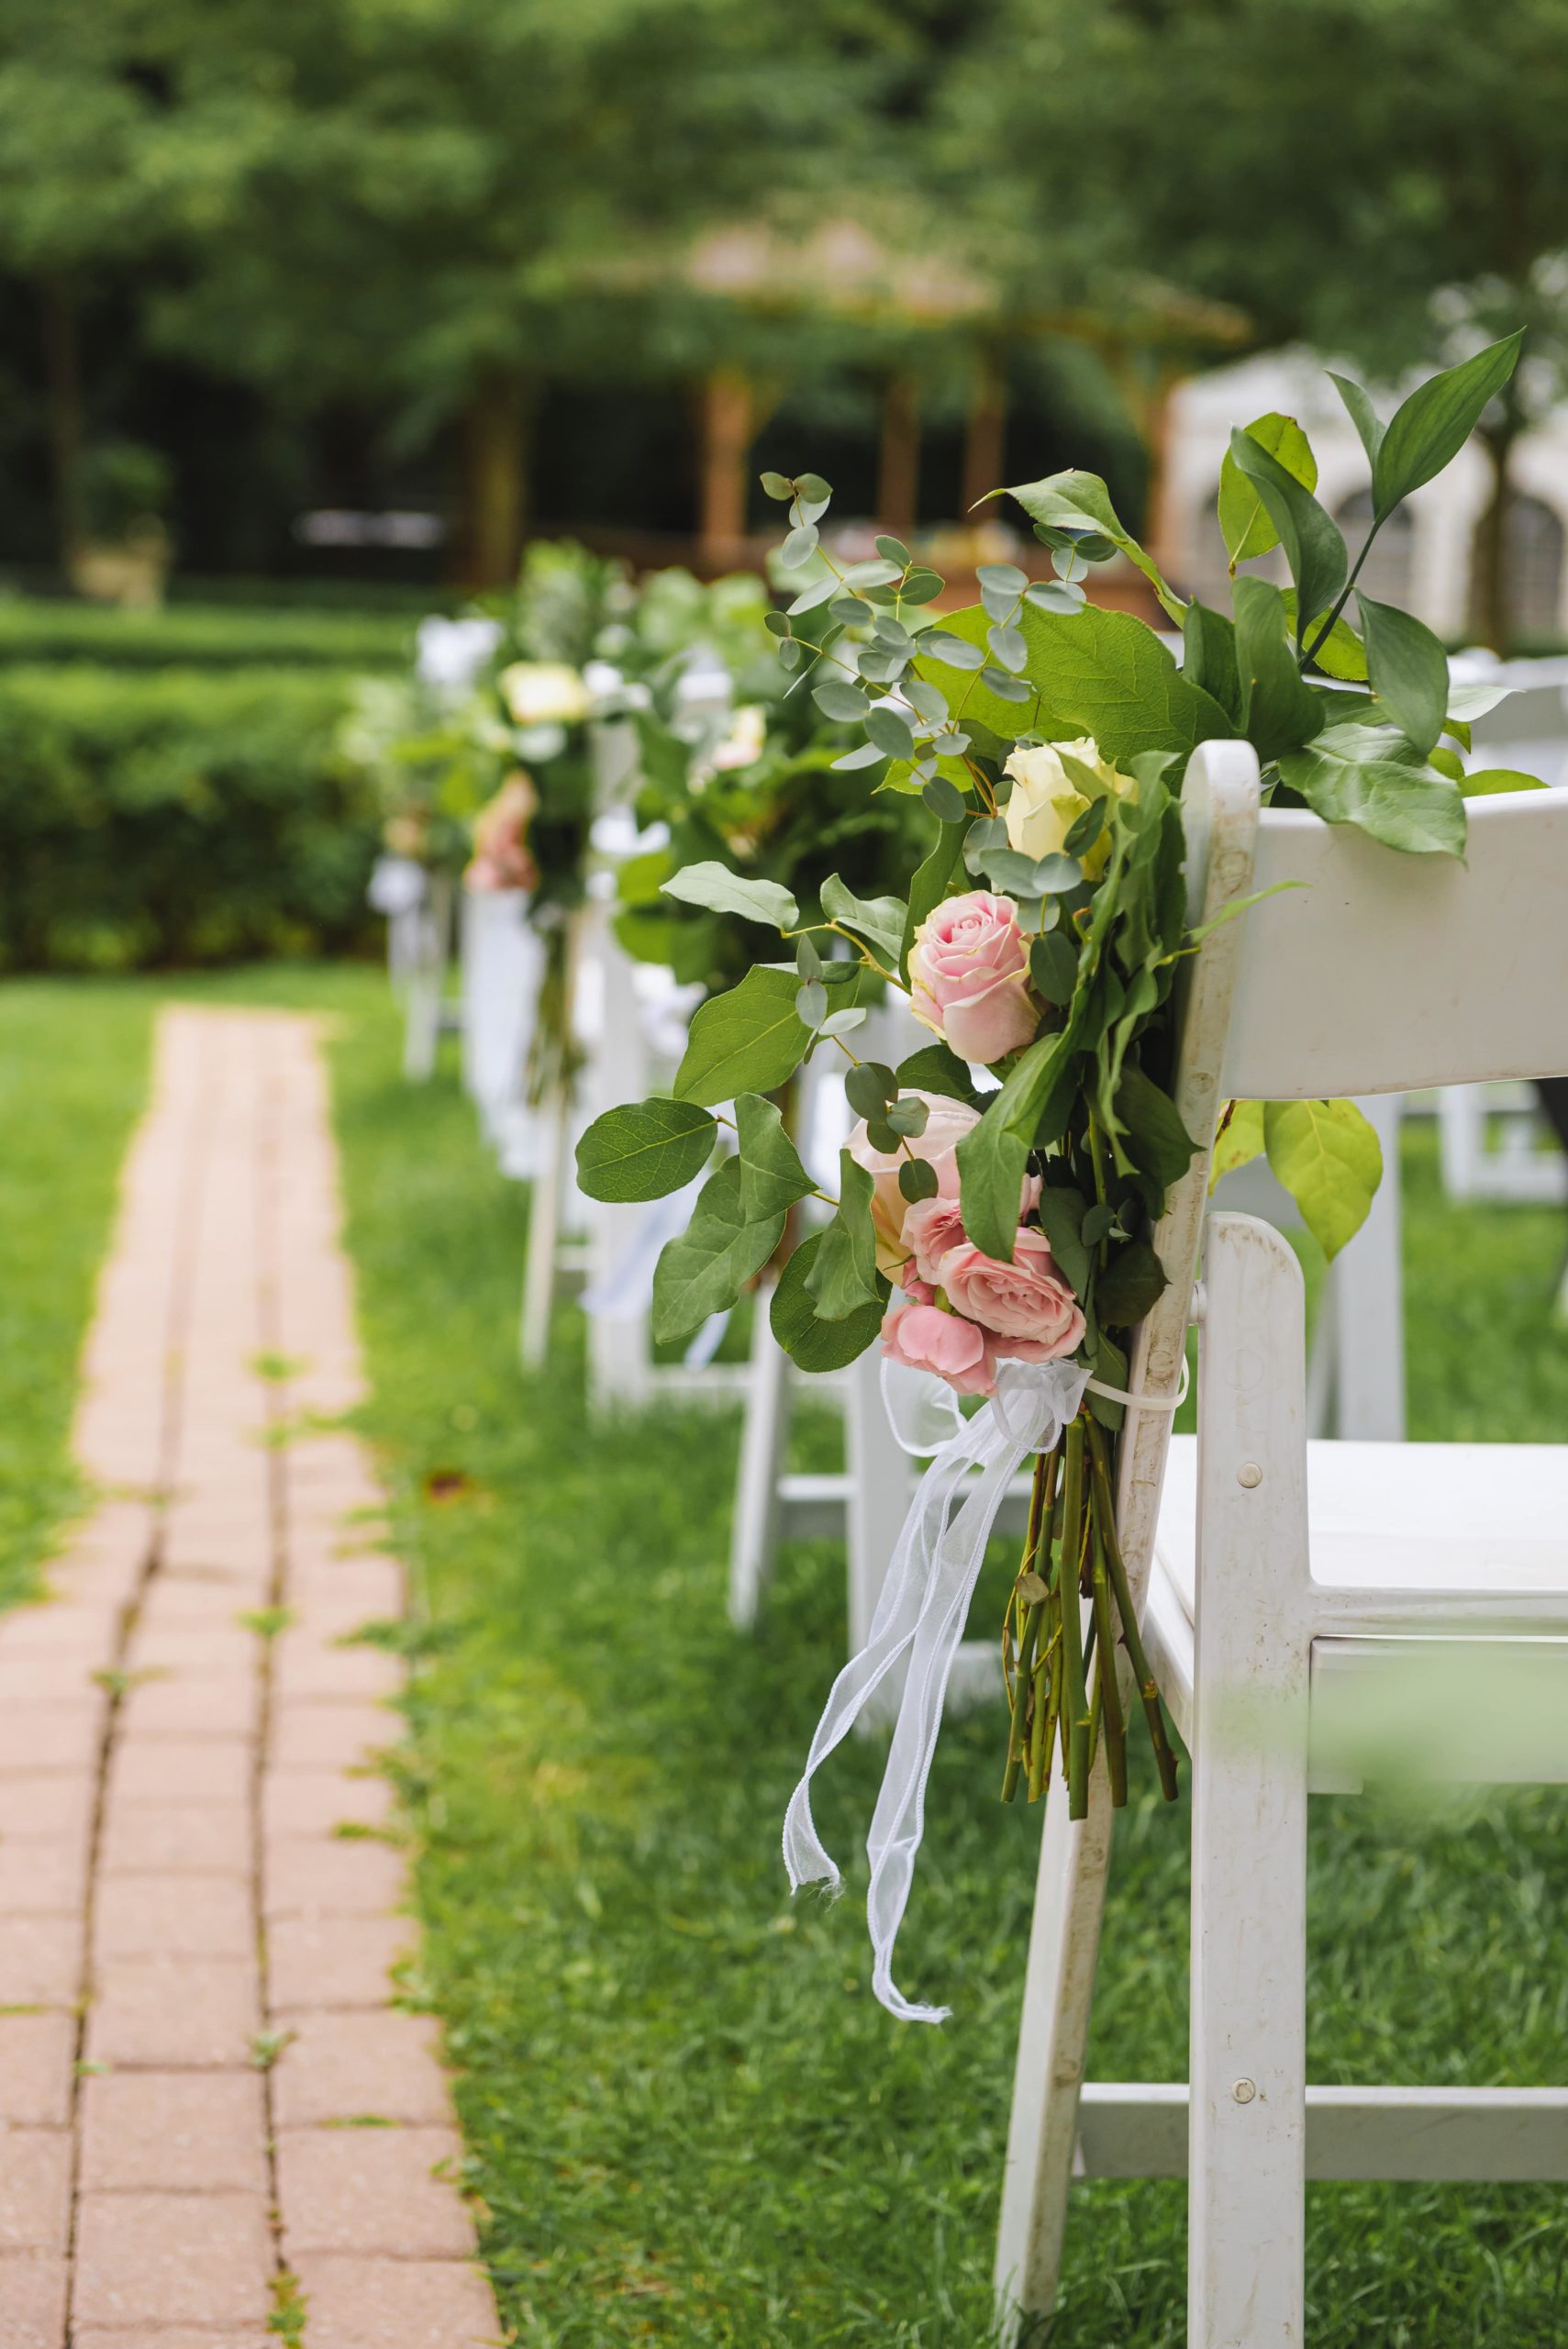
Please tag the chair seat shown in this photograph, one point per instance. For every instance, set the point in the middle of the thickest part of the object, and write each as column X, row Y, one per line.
column 1461, row 1554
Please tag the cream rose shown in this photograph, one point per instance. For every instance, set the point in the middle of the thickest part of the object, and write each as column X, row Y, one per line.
column 544, row 693
column 1046, row 804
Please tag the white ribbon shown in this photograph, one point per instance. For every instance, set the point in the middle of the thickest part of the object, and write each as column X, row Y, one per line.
column 920, row 1614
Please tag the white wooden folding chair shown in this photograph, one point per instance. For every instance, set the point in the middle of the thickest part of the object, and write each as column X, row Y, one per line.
column 1510, row 1166
column 1287, row 1582
column 430, row 946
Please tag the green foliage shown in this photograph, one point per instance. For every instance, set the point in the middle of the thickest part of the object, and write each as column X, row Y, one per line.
column 1433, row 426
column 751, row 1039
column 1408, row 670
column 644, row 1152
column 813, row 1343
column 1330, row 1160
column 1366, row 775
column 191, row 635
column 177, row 817
column 1278, row 711
column 842, row 1280
column 723, row 891
column 771, row 1176
column 705, row 1269
column 1245, row 522
column 1313, row 546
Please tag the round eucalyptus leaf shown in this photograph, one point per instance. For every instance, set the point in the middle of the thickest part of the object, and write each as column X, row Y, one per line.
column 811, row 1004
column 869, row 1089
column 917, row 1179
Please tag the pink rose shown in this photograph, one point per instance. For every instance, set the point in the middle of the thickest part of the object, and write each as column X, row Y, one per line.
column 946, row 1126
column 932, row 1227
column 502, row 859
column 1026, row 1305
column 969, row 978
column 924, row 1338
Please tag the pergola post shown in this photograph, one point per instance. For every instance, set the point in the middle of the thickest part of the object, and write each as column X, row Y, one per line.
column 898, row 470
column 985, row 456
column 728, row 427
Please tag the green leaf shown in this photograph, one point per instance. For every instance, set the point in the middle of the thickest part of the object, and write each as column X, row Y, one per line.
column 1431, row 427
column 930, row 885
column 704, row 1270
column 1361, row 412
column 1134, row 1280
column 1343, row 778
column 1486, row 781
column 1278, row 711
column 1330, row 1162
column 771, row 1176
column 1245, row 522
column 1053, row 967
column 993, row 1155
column 843, row 1276
column 725, row 892
column 1341, row 654
column 1208, row 656
column 917, row 1179
column 840, row 702
column 1313, row 546
column 1157, row 1142
column 750, row 1040
column 937, row 1068
column 881, row 919
column 1078, row 501
column 644, row 1150
column 776, row 486
column 890, row 734
column 1240, row 1144
column 1061, row 1220
column 1408, row 670
column 811, row 1343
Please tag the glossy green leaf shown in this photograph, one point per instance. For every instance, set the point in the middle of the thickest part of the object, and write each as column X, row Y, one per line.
column 1486, row 782
column 1341, row 654
column 936, row 1068
column 1330, row 1160
column 1279, row 712
column 1351, row 776
column 1208, row 656
column 723, row 891
column 1408, row 670
column 1157, row 1142
column 705, row 1269
column 1245, row 522
column 993, row 1155
column 644, row 1150
column 771, row 1176
column 843, row 1276
column 750, row 1040
column 812, row 1343
column 1061, row 1220
column 1361, row 412
column 1433, row 425
column 880, row 919
column 1310, row 537
column 1132, row 1283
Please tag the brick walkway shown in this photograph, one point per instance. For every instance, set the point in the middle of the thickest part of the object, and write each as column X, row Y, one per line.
column 204, row 2089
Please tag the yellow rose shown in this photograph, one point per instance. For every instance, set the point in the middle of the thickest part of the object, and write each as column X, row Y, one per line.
column 1046, row 804
column 544, row 693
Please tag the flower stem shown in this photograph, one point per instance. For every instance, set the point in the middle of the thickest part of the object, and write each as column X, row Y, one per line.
column 1074, row 1699
column 1115, row 1568
column 1107, row 1690
column 1040, row 1500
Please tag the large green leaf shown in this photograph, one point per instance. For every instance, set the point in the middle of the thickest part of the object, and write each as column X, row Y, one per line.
column 1240, row 1141
column 881, row 919
column 1313, row 546
column 771, row 1176
column 1076, row 501
column 843, row 1276
column 1278, row 711
column 1330, row 1162
column 1132, row 1283
column 1157, row 1142
column 811, row 1343
column 1352, row 775
column 1208, row 656
column 1408, row 670
column 1096, row 673
column 644, row 1150
column 751, row 1040
column 1061, row 1220
column 1486, row 783
column 1431, row 427
column 936, row 1068
column 992, row 1156
column 725, row 892
column 1245, row 522
column 1341, row 654
column 1361, row 412
column 704, row 1270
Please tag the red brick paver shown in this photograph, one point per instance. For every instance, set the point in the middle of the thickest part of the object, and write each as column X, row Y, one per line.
column 199, row 1952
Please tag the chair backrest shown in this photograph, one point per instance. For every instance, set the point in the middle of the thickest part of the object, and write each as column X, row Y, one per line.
column 1385, row 972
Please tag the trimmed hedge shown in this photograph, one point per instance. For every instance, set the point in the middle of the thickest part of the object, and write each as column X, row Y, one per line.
column 35, row 628
column 178, row 817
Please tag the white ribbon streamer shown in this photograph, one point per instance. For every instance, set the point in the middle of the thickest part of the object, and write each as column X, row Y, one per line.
column 920, row 1615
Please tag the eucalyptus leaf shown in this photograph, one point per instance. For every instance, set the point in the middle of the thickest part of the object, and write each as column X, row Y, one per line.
column 704, row 1270
column 867, row 755
column 890, row 734
column 644, row 1150
column 777, row 488
column 840, row 701
column 1008, row 646
column 723, row 891
column 842, row 1279
column 811, row 1004
column 840, row 1023
column 881, row 919
column 922, row 586
column 1330, row 1160
column 812, row 1343
column 1053, row 967
column 799, row 547
column 936, row 1068
column 771, row 1176
column 1072, row 503
column 869, row 1089
column 953, row 652
column 893, row 550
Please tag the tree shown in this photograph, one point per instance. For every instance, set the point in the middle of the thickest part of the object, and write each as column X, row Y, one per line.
column 1385, row 179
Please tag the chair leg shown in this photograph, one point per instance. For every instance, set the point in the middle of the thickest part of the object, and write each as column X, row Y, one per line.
column 1064, row 1939
column 764, row 1440
column 1252, row 1648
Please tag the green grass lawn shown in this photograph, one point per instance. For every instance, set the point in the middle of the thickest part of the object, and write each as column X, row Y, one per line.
column 72, row 1077
column 689, row 2122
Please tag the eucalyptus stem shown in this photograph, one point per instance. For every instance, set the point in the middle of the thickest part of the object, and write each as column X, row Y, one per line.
column 1074, row 1699
column 1115, row 1568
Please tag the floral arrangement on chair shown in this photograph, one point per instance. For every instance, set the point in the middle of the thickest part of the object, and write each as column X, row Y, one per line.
column 997, row 1201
